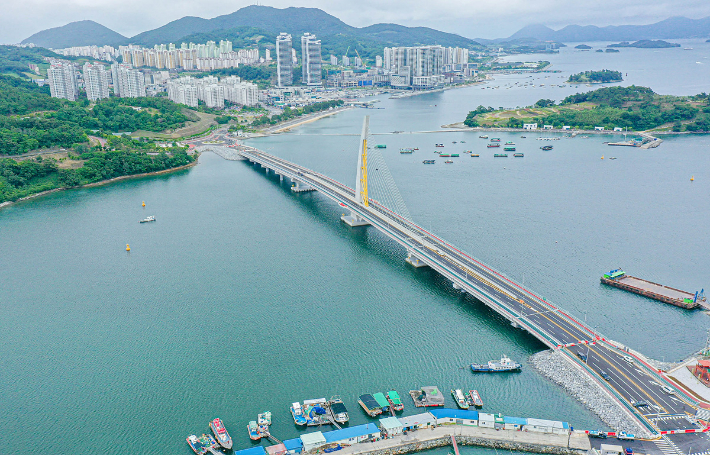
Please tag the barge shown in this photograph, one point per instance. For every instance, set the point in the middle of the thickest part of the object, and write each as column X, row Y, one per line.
column 370, row 405
column 683, row 299
column 475, row 398
column 201, row 445
column 460, row 399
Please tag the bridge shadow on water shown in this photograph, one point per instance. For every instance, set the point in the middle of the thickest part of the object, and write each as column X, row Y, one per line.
column 370, row 243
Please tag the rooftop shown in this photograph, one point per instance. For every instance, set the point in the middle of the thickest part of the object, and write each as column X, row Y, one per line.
column 350, row 432
column 445, row 413
column 390, row 423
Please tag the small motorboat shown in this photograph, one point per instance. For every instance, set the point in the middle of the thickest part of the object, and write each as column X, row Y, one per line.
column 148, row 219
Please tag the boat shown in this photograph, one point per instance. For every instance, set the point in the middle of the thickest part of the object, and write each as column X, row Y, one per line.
column 415, row 148
column 492, row 145
column 448, row 161
column 338, row 410
column 315, row 413
column 370, row 405
column 148, row 219
column 500, row 155
column 475, row 398
column 220, row 433
column 254, row 433
column 382, row 401
column 510, row 143
column 475, row 155
column 522, row 137
column 439, row 145
column 453, row 142
column 463, row 142
column 518, row 155
column 297, row 413
column 509, row 148
column 202, row 444
column 504, row 365
column 455, row 155
column 406, row 150
column 395, row 401
column 459, row 398
column 546, row 147
column 444, row 155
column 483, row 137
column 495, row 139
column 612, row 157
column 429, row 161
column 264, row 418
column 380, row 146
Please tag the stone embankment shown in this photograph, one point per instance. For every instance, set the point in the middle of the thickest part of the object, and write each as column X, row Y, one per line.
column 555, row 366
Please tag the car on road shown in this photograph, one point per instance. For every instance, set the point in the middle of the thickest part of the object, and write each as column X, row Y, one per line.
column 597, row 434
column 629, row 451
column 628, row 359
column 640, row 404
column 626, row 436
column 605, row 375
column 582, row 356
column 668, row 390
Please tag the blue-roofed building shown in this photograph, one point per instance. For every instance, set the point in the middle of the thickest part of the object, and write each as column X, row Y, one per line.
column 352, row 435
column 514, row 423
column 257, row 450
column 457, row 416
column 417, row 421
column 293, row 446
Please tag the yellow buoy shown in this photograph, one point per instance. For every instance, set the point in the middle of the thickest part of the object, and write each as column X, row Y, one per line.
column 692, row 178
column 602, row 156
column 143, row 203
column 128, row 248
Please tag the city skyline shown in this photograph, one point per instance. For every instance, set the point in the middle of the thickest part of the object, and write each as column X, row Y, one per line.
column 471, row 19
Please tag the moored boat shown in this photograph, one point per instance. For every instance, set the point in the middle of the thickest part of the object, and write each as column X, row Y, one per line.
column 382, row 401
column 448, row 161
column 495, row 139
column 202, row 444
column 546, row 147
column 475, row 398
column 510, row 143
column 493, row 145
column 220, row 433
column 253, row 430
column 264, row 418
column 370, row 405
column 455, row 155
column 147, row 219
column 509, row 148
column 475, row 155
column 485, row 136
column 444, row 155
column 459, row 398
column 297, row 413
column 500, row 155
column 395, row 401
column 406, row 150
column 429, row 161
column 338, row 410
column 439, row 145
column 505, row 365
column 518, row 155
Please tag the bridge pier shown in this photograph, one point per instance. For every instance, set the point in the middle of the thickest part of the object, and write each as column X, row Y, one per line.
column 354, row 220
column 414, row 261
column 299, row 187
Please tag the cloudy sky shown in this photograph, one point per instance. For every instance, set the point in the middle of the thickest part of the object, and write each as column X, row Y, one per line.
column 471, row 18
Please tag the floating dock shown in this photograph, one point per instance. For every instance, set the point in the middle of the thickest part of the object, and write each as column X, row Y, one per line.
column 427, row 397
column 619, row 279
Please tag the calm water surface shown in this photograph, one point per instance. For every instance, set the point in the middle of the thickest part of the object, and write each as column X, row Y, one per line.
column 244, row 297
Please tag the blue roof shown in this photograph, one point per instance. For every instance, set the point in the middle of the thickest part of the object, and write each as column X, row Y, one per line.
column 515, row 420
column 293, row 444
column 256, row 450
column 349, row 432
column 443, row 413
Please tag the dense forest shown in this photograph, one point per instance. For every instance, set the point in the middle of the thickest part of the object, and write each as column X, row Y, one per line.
column 15, row 60
column 596, row 77
column 19, row 97
column 21, row 179
column 289, row 113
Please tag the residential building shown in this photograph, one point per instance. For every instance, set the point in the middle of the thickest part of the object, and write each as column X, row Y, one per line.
column 284, row 62
column 62, row 80
column 418, row 67
column 334, row 60
column 378, row 61
column 312, row 64
column 96, row 81
column 127, row 81
column 183, row 91
column 188, row 90
column 346, row 60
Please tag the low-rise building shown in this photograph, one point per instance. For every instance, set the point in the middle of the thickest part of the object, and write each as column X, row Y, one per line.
column 598, row 128
column 417, row 421
column 352, row 435
column 293, row 446
column 529, row 126
column 258, row 450
column 547, row 426
column 514, row 423
column 486, row 420
column 391, row 426
column 312, row 441
column 457, row 416
column 611, row 449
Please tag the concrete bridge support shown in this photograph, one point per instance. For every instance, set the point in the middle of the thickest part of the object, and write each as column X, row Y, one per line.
column 414, row 261
column 299, row 187
column 354, row 220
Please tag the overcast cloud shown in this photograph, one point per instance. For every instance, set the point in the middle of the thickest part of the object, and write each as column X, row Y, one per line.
column 471, row 18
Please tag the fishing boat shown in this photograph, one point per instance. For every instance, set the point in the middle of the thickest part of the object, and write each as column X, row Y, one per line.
column 254, row 432
column 463, row 142
column 448, row 161
column 495, row 139
column 370, row 405
column 444, row 155
column 475, row 155
column 459, row 398
column 338, row 410
column 429, row 161
column 406, row 150
column 202, row 444
column 415, row 148
column 475, row 398
column 315, row 412
column 505, row 365
column 454, row 142
column 380, row 146
column 264, row 418
column 500, row 155
column 518, row 155
column 148, row 219
column 492, row 145
column 546, row 147
column 483, row 137
column 509, row 148
column 297, row 413
column 439, row 145
column 220, row 433
column 455, row 155
column 510, row 143
column 395, row 401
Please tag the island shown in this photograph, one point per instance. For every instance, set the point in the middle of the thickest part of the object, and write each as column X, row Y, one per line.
column 646, row 44
column 634, row 107
column 585, row 47
column 611, row 50
column 596, row 77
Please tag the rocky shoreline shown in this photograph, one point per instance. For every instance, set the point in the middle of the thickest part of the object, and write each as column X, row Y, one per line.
column 556, row 367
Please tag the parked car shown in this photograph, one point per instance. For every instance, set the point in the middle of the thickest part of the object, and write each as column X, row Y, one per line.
column 625, row 435
column 582, row 356
column 629, row 451
column 597, row 434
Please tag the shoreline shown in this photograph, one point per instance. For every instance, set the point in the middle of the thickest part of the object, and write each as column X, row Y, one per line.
column 102, row 182
column 459, row 126
column 315, row 116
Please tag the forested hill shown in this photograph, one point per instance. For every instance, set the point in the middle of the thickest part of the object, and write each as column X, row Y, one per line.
column 80, row 33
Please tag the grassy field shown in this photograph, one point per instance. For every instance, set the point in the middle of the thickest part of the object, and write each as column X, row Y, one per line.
column 500, row 118
column 202, row 123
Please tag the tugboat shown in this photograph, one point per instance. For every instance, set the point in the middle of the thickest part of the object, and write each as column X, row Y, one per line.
column 338, row 410
column 505, row 365
column 264, row 419
column 148, row 219
column 459, row 398
column 202, row 444
column 475, row 398
column 220, row 433
column 395, row 401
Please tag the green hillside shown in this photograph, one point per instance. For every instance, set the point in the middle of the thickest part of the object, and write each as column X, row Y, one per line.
column 80, row 33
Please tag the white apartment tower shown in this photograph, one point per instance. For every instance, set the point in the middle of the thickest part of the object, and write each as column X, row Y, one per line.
column 127, row 81
column 310, row 49
column 95, row 81
column 284, row 64
column 62, row 81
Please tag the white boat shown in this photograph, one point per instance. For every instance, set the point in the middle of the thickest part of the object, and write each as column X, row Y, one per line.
column 148, row 219
column 504, row 365
column 461, row 401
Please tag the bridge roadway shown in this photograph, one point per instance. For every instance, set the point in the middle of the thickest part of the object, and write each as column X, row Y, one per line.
column 628, row 381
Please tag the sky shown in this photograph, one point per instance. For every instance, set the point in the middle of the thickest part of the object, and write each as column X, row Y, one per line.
column 470, row 18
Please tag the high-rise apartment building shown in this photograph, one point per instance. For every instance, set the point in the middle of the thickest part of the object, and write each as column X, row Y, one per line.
column 127, row 81
column 96, row 81
column 284, row 63
column 62, row 81
column 420, row 66
column 333, row 60
column 312, row 62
